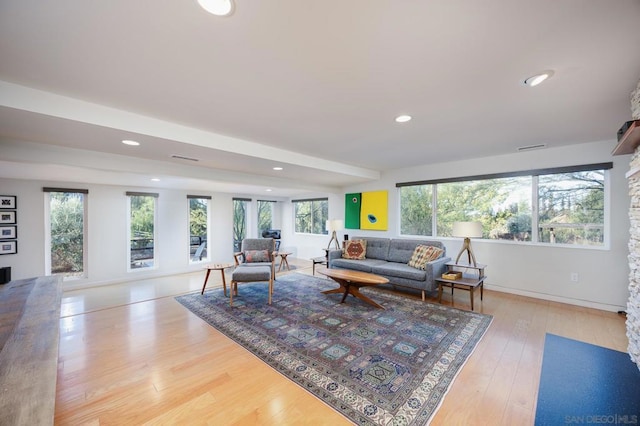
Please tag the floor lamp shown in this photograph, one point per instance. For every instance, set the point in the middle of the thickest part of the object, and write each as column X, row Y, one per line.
column 334, row 225
column 467, row 230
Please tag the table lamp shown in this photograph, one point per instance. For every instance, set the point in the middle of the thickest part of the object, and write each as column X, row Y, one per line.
column 467, row 230
column 334, row 225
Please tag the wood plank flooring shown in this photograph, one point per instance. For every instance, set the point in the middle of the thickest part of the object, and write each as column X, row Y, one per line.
column 130, row 354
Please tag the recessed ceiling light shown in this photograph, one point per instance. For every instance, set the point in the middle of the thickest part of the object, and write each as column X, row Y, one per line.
column 155, row 179
column 277, row 168
column 534, row 80
column 268, row 189
column 403, row 118
column 217, row 7
column 130, row 142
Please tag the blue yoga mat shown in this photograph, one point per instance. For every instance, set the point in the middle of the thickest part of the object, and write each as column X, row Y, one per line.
column 584, row 384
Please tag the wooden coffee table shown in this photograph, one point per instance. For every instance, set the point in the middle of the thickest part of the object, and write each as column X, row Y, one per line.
column 351, row 281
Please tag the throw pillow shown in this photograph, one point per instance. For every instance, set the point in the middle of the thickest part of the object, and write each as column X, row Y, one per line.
column 355, row 249
column 424, row 254
column 254, row 256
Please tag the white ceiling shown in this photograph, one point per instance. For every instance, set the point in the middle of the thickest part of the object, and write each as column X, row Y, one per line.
column 312, row 86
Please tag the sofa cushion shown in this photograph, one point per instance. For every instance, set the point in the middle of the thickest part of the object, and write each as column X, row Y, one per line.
column 356, row 265
column 355, row 249
column 423, row 254
column 256, row 256
column 377, row 248
column 401, row 250
column 399, row 270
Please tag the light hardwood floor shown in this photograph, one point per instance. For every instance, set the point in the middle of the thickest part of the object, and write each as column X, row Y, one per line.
column 130, row 354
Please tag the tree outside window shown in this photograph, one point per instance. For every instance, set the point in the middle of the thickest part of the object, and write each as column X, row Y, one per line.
column 571, row 208
column 311, row 216
column 416, row 210
column 240, row 212
column 265, row 215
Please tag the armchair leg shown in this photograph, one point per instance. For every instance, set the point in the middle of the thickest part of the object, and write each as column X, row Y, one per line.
column 270, row 289
column 231, row 291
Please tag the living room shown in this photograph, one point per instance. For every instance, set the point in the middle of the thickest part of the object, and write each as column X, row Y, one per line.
column 315, row 94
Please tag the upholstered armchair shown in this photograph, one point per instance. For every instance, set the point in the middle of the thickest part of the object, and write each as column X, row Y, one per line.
column 255, row 262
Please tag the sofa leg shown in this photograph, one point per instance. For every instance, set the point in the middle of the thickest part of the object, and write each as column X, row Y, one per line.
column 423, row 299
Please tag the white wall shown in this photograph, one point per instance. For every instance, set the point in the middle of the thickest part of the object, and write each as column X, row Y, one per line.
column 534, row 270
column 537, row 270
column 107, row 235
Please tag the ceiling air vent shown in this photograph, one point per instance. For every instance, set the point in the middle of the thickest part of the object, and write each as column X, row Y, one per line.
column 180, row 157
column 530, row 147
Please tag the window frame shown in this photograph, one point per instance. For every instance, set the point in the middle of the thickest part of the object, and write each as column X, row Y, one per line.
column 322, row 220
column 271, row 204
column 155, row 196
column 237, row 244
column 535, row 173
column 207, row 198
column 48, row 243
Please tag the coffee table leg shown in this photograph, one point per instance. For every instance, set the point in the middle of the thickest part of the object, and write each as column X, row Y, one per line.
column 471, row 290
column 335, row 290
column 355, row 291
column 439, row 292
column 346, row 293
column 205, row 281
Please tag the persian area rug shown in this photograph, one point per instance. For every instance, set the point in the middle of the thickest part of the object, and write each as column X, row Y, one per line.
column 582, row 383
column 374, row 366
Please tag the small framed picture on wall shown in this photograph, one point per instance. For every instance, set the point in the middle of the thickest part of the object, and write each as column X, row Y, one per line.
column 8, row 247
column 7, row 201
column 7, row 217
column 8, row 232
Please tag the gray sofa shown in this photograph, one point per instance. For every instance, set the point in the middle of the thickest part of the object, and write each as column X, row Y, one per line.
column 390, row 257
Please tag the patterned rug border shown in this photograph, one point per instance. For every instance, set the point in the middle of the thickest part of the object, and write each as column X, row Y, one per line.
column 309, row 374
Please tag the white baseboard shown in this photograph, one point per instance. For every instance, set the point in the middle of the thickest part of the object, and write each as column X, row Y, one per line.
column 560, row 299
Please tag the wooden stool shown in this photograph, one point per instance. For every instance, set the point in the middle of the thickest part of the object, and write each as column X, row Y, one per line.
column 216, row 267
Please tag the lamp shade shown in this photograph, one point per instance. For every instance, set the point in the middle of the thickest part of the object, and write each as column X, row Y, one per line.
column 467, row 229
column 334, row 225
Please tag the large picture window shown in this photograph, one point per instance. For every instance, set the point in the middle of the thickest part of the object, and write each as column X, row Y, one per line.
column 555, row 206
column 66, row 224
column 311, row 215
column 502, row 205
column 142, row 230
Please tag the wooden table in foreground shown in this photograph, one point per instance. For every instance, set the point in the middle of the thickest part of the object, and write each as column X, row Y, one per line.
column 216, row 267
column 351, row 281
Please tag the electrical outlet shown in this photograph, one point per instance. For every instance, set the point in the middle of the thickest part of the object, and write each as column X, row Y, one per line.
column 574, row 277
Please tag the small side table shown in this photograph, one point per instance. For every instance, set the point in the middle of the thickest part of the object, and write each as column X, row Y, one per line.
column 216, row 267
column 283, row 260
column 323, row 260
column 318, row 260
column 468, row 282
